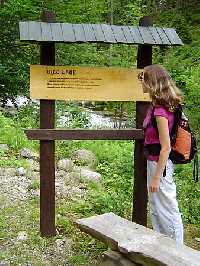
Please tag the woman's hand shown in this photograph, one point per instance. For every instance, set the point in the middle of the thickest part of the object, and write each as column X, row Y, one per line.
column 155, row 184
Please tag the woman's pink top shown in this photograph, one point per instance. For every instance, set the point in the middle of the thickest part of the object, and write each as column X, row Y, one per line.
column 151, row 133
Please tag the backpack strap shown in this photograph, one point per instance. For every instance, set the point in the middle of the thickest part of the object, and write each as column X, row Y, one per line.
column 153, row 119
column 196, row 168
column 177, row 117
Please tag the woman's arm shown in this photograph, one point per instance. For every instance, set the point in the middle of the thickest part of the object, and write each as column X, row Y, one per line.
column 163, row 130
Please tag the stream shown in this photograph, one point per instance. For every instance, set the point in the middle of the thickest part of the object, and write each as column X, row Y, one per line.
column 97, row 119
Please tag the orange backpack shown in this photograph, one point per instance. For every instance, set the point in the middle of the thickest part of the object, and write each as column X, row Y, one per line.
column 183, row 142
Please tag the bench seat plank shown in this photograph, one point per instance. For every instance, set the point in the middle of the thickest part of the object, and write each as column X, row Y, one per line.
column 140, row 244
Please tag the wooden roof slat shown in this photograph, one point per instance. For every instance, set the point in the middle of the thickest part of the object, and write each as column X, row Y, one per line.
column 56, row 31
column 172, row 36
column 46, row 31
column 35, row 32
column 163, row 36
column 89, row 33
column 24, row 31
column 98, row 32
column 146, row 35
column 127, row 34
column 68, row 32
column 155, row 35
column 136, row 35
column 79, row 32
column 109, row 36
column 119, row 34
column 65, row 32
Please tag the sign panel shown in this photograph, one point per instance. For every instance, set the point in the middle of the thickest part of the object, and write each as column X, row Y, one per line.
column 85, row 83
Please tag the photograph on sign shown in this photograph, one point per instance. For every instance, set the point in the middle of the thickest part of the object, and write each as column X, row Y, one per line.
column 85, row 83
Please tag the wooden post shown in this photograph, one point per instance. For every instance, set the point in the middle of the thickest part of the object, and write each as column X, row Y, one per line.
column 139, row 215
column 47, row 148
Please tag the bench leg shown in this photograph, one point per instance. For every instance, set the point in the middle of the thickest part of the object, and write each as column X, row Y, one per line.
column 114, row 258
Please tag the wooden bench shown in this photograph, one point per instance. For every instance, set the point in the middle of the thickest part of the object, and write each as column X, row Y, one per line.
column 133, row 244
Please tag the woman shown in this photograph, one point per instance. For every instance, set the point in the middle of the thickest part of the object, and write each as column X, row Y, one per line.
column 158, row 125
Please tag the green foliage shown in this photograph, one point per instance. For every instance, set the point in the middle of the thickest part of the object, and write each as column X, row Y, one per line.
column 183, row 62
column 8, row 161
column 176, row 20
column 28, row 116
column 187, row 79
column 14, row 57
column 115, row 165
column 188, row 195
column 12, row 134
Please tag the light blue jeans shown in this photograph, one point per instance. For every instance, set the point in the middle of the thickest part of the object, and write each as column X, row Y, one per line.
column 165, row 214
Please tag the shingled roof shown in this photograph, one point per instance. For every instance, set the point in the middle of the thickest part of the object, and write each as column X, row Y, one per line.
column 33, row 31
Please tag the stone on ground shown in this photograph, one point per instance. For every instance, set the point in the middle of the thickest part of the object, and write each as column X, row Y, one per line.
column 4, row 147
column 85, row 158
column 90, row 175
column 26, row 153
column 65, row 164
column 20, row 171
column 22, row 236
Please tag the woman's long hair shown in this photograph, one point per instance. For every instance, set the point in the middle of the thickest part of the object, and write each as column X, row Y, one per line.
column 161, row 88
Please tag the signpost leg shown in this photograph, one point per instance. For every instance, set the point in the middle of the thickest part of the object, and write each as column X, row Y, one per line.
column 47, row 148
column 139, row 214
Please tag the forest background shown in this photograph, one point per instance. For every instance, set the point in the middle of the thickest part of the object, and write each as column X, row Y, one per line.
column 115, row 193
column 183, row 63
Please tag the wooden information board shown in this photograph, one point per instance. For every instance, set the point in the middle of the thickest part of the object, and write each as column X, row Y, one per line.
column 85, row 83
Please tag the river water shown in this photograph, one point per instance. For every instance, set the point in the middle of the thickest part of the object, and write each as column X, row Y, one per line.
column 97, row 119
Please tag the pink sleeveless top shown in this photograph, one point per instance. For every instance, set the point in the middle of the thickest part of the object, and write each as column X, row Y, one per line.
column 151, row 135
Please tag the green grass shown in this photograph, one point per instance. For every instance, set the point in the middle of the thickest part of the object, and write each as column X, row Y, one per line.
column 13, row 162
column 12, row 134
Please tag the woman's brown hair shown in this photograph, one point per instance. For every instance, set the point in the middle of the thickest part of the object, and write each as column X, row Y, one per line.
column 161, row 87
